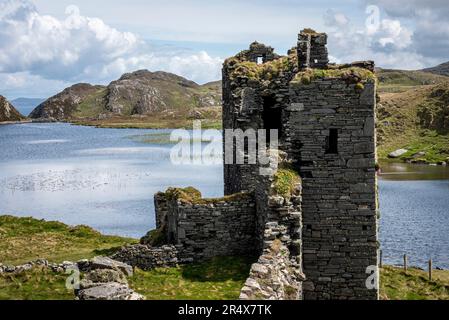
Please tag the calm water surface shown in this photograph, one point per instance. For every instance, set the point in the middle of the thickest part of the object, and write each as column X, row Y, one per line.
column 106, row 178
column 414, row 207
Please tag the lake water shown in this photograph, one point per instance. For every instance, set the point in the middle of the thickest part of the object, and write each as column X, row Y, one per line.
column 103, row 178
column 106, row 178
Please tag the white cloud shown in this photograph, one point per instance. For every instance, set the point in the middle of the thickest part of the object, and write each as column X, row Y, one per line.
column 430, row 37
column 335, row 19
column 79, row 48
column 390, row 44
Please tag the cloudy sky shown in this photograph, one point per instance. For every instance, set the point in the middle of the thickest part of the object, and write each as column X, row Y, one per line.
column 46, row 45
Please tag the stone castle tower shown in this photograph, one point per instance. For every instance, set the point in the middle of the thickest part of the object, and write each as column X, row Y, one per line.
column 325, row 115
column 312, row 224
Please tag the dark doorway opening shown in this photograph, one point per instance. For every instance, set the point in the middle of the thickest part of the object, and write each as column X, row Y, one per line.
column 272, row 117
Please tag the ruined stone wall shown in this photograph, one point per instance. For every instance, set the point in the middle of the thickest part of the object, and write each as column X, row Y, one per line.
column 339, row 187
column 146, row 257
column 312, row 50
column 273, row 277
column 206, row 228
column 247, row 99
column 278, row 272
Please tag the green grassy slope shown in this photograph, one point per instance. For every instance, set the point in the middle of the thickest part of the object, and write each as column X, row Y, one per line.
column 413, row 116
column 27, row 239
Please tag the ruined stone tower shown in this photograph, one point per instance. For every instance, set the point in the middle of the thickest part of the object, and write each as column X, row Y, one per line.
column 310, row 221
column 325, row 115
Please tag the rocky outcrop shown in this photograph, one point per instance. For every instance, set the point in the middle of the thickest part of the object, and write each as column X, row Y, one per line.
column 102, row 278
column 63, row 105
column 8, row 112
column 109, row 291
column 398, row 153
column 105, row 263
column 138, row 93
column 105, row 279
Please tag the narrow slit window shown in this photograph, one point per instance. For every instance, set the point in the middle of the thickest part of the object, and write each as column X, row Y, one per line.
column 332, row 142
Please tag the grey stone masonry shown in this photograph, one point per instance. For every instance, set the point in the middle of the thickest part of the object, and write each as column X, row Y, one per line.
column 146, row 257
column 259, row 51
column 312, row 51
column 339, row 185
column 206, row 228
column 325, row 117
column 273, row 277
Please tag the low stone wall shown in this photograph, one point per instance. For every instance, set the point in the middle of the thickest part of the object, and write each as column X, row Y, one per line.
column 40, row 263
column 206, row 228
column 146, row 257
column 273, row 277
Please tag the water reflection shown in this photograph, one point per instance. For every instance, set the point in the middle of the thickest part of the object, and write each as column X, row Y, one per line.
column 404, row 171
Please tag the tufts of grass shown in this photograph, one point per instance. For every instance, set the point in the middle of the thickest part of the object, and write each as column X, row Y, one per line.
column 36, row 284
column 285, row 182
column 193, row 196
column 353, row 74
column 413, row 285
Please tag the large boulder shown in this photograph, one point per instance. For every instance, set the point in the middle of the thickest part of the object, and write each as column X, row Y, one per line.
column 109, row 291
column 397, row 153
column 105, row 276
column 108, row 263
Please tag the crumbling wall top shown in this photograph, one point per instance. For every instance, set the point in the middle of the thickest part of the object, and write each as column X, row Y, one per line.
column 258, row 53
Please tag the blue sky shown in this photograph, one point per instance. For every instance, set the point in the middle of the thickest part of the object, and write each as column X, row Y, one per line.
column 46, row 46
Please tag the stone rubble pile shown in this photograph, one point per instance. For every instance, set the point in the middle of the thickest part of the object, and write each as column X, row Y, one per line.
column 105, row 279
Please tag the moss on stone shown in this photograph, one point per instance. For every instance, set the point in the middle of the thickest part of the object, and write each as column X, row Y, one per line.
column 352, row 75
column 193, row 196
column 260, row 72
column 189, row 194
column 359, row 87
column 285, row 182
column 310, row 31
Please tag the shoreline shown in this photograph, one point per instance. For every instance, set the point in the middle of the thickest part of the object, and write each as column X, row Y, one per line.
column 4, row 123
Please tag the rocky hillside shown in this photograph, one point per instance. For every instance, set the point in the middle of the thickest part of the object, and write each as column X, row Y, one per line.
column 8, row 112
column 413, row 117
column 63, row 105
column 442, row 69
column 141, row 93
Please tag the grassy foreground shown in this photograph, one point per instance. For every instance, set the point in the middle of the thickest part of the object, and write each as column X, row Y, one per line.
column 24, row 239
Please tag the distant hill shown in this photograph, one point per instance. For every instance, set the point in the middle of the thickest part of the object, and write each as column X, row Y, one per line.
column 391, row 80
column 442, row 69
column 8, row 112
column 135, row 95
column 26, row 105
column 416, row 120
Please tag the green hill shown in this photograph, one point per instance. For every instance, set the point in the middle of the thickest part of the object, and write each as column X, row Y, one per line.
column 138, row 99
